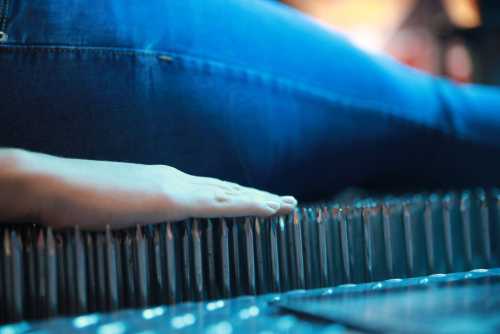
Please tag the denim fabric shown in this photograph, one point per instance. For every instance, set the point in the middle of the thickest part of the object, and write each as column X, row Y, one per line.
column 248, row 91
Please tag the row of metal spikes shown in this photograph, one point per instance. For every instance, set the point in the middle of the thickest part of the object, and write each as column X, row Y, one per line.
column 44, row 272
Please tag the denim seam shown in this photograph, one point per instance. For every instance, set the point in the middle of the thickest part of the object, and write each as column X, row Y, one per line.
column 448, row 116
column 75, row 49
column 206, row 65
column 3, row 18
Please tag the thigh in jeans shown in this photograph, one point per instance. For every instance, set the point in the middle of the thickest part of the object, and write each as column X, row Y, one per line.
column 248, row 91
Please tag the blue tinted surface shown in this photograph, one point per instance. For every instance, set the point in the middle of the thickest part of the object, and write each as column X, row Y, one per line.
column 461, row 306
column 263, row 314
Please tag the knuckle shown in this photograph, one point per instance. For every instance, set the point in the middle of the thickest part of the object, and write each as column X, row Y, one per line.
column 221, row 197
column 236, row 186
column 163, row 169
column 170, row 170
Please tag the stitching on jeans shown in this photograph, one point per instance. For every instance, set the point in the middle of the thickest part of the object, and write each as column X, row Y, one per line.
column 76, row 49
column 2, row 13
column 3, row 19
column 207, row 66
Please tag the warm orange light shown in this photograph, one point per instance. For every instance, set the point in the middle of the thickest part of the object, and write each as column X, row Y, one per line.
column 368, row 23
column 463, row 13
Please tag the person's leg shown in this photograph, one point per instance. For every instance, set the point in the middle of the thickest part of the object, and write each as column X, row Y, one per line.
column 248, row 91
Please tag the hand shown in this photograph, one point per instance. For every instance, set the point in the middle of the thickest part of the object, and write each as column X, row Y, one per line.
column 92, row 194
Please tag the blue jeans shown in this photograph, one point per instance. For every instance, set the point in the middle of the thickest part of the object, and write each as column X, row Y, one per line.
column 248, row 91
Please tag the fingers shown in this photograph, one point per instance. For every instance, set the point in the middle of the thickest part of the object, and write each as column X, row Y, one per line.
column 221, row 203
column 287, row 203
column 214, row 201
column 253, row 197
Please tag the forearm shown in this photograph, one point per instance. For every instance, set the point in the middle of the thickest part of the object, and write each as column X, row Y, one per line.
column 17, row 187
column 41, row 188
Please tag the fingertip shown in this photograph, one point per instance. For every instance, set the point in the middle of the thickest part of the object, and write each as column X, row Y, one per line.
column 267, row 208
column 289, row 200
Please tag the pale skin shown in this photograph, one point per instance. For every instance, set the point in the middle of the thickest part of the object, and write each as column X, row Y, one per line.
column 63, row 192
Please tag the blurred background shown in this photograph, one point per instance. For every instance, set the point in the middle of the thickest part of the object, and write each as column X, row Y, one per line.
column 459, row 39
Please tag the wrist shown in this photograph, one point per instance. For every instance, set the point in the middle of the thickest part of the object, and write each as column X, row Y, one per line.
column 10, row 160
column 18, row 186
